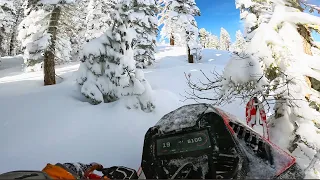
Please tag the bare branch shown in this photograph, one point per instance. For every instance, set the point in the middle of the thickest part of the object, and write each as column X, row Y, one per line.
column 211, row 89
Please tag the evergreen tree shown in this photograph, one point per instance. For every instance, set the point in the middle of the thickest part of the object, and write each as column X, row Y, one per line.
column 225, row 40
column 39, row 34
column 107, row 70
column 37, row 38
column 253, row 13
column 213, row 42
column 79, row 28
column 97, row 20
column 240, row 44
column 204, row 37
column 280, row 46
column 145, row 23
column 8, row 20
column 178, row 20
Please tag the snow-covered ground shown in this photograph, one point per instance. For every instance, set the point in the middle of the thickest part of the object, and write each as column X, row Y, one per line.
column 53, row 124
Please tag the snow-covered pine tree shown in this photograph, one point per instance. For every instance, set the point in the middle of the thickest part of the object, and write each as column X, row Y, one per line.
column 15, row 46
column 44, row 34
column 69, row 32
column 178, row 19
column 38, row 33
column 276, row 67
column 253, row 13
column 107, row 70
column 33, row 36
column 8, row 20
column 97, row 20
column 204, row 37
column 79, row 24
column 168, row 27
column 240, row 44
column 282, row 56
column 145, row 23
column 213, row 42
column 225, row 40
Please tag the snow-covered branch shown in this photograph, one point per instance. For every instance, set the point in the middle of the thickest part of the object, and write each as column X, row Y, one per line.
column 311, row 7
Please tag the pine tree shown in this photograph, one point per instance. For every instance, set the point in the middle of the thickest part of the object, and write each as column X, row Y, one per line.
column 178, row 19
column 225, row 40
column 8, row 20
column 68, row 32
column 213, row 42
column 79, row 27
column 204, row 36
column 240, row 44
column 107, row 70
column 145, row 23
column 97, row 20
column 40, row 37
column 253, row 13
column 280, row 44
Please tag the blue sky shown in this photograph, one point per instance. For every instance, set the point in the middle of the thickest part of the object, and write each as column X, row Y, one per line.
column 223, row 13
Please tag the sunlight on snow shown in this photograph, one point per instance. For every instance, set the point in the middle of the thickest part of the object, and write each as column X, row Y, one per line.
column 37, row 75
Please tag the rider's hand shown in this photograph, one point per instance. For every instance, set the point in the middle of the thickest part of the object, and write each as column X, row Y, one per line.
column 93, row 167
column 97, row 166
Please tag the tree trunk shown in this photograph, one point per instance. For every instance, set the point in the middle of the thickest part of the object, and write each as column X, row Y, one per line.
column 171, row 40
column 2, row 51
column 48, row 65
column 12, row 47
column 306, row 35
column 190, row 57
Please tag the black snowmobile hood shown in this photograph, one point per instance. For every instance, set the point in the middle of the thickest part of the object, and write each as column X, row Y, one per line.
column 266, row 160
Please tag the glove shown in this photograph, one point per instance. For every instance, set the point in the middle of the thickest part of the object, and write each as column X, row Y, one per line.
column 97, row 166
column 119, row 172
column 92, row 167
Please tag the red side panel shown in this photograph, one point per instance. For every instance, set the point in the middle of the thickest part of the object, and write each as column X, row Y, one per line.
column 287, row 159
column 94, row 176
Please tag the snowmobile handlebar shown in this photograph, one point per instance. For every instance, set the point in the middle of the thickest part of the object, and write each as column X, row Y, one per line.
column 118, row 172
column 188, row 166
column 127, row 173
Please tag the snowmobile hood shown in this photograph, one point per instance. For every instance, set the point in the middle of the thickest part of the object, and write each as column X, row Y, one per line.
column 265, row 159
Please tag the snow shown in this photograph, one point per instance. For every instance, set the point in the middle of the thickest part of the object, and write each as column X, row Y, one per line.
column 182, row 118
column 53, row 124
column 276, row 43
column 57, row 1
column 257, row 167
column 177, row 18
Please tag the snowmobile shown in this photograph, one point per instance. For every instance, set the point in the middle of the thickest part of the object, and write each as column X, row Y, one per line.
column 200, row 141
